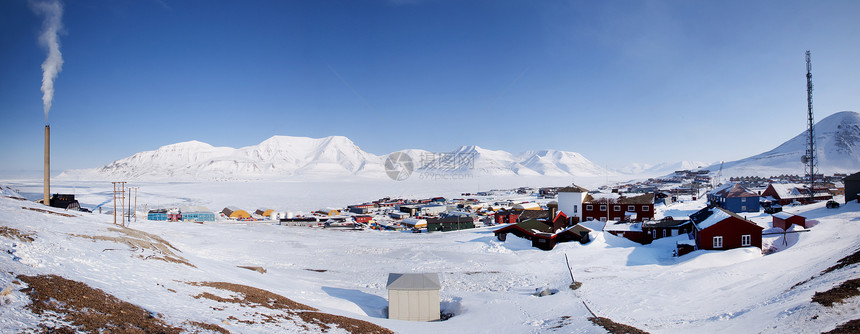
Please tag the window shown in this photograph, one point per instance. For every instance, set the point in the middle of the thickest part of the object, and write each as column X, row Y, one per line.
column 718, row 242
column 603, row 219
column 589, row 207
column 654, row 233
column 575, row 208
column 616, row 208
column 602, row 207
column 746, row 240
column 589, row 218
column 664, row 233
column 631, row 208
column 743, row 199
column 645, row 208
column 743, row 208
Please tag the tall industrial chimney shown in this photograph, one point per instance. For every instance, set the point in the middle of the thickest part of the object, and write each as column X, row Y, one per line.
column 47, row 199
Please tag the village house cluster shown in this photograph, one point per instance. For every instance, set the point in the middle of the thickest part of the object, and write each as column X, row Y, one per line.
column 717, row 226
column 562, row 214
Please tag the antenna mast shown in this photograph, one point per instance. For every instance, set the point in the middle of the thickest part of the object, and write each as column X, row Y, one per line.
column 809, row 159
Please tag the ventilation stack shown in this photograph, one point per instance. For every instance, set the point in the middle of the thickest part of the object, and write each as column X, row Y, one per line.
column 47, row 189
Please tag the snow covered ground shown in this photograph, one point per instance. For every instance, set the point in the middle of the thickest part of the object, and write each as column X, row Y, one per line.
column 291, row 194
column 487, row 284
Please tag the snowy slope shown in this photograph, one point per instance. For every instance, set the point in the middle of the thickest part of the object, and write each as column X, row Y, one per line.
column 837, row 139
column 276, row 156
column 487, row 284
column 661, row 168
column 284, row 157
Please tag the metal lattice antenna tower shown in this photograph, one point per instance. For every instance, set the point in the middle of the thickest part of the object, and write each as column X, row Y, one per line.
column 810, row 159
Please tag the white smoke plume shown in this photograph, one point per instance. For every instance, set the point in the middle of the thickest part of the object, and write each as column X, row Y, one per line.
column 50, row 40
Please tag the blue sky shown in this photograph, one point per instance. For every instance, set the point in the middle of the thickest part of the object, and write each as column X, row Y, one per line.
column 618, row 81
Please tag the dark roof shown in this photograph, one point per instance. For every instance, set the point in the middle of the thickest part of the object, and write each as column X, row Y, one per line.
column 573, row 189
column 577, row 229
column 534, row 224
column 534, row 214
column 450, row 219
column 667, row 223
column 701, row 215
column 509, row 212
column 735, row 190
column 740, row 191
column 641, row 199
column 852, row 177
column 559, row 215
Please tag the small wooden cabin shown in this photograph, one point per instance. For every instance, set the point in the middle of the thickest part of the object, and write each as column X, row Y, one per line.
column 784, row 220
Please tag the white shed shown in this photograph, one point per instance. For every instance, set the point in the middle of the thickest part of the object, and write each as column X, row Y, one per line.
column 414, row 297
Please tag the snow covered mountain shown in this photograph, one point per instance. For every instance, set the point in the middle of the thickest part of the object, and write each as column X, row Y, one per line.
column 285, row 156
column 837, row 139
column 661, row 168
column 529, row 163
column 279, row 155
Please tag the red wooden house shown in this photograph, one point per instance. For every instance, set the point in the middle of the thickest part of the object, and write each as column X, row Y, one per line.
column 629, row 230
column 545, row 234
column 786, row 194
column 784, row 220
column 516, row 216
column 641, row 206
column 362, row 219
column 717, row 228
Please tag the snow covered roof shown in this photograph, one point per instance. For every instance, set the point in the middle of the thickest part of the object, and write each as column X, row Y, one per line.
column 594, row 225
column 195, row 208
column 690, row 242
column 527, row 206
column 710, row 216
column 622, row 226
column 423, row 281
column 783, row 215
column 787, row 190
column 722, row 188
column 601, row 197
column 707, row 220
column 732, row 190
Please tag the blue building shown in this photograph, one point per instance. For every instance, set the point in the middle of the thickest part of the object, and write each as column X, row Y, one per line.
column 197, row 214
column 158, row 214
column 188, row 214
column 735, row 198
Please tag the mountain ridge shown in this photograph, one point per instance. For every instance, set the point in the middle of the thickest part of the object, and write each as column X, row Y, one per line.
column 288, row 156
column 837, row 137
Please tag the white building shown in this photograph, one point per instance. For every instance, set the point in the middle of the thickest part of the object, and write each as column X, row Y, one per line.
column 414, row 297
column 570, row 201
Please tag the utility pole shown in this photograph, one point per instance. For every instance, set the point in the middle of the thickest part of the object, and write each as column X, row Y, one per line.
column 809, row 159
column 119, row 194
column 135, row 203
column 128, row 207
